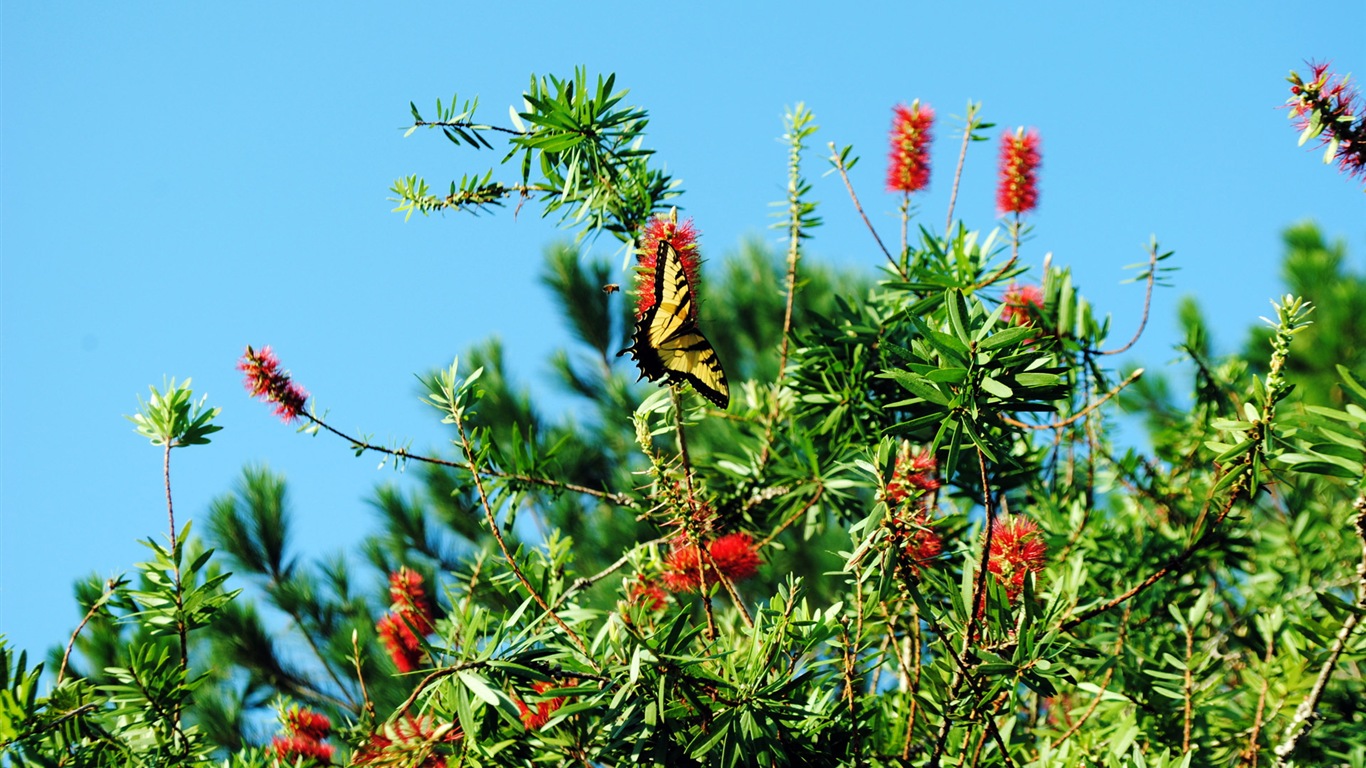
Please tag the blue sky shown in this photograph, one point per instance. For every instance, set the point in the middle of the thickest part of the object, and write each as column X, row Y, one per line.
column 180, row 180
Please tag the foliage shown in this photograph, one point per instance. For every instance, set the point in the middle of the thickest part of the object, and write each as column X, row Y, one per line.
column 960, row 562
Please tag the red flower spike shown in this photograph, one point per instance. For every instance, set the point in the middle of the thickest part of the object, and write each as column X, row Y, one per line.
column 1019, row 300
column 735, row 556
column 289, row 750
column 301, row 721
column 913, row 475
column 683, row 237
column 1018, row 190
column 535, row 720
column 303, row 740
column 1017, row 548
column 265, row 380
column 923, row 545
column 404, row 739
column 410, row 599
column 649, row 595
column 1328, row 108
column 403, row 645
column 908, row 162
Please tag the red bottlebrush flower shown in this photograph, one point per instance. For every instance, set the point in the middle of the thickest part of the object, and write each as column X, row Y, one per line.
column 266, row 381
column 290, row 749
column 1017, row 548
column 913, row 475
column 404, row 740
column 649, row 595
column 403, row 645
column 302, row 721
column 410, row 599
column 734, row 554
column 535, row 720
column 683, row 237
column 908, row 163
column 923, row 543
column 1018, row 300
column 410, row 618
column 1327, row 108
column 304, row 731
column 1018, row 191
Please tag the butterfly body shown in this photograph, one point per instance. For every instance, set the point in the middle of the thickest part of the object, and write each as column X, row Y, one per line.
column 667, row 344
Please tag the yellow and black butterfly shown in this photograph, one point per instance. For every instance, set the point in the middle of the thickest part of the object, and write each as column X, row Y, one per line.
column 666, row 343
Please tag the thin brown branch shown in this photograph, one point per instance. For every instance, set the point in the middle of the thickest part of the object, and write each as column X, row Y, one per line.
column 1169, row 567
column 466, row 124
column 178, row 588
column 1079, row 414
column 1253, row 751
column 690, row 519
column 979, row 589
column 615, row 498
column 1187, row 687
column 469, row 452
column 1147, row 305
column 791, row 518
column 1104, row 684
column 844, row 174
column 584, row 582
column 958, row 171
column 109, row 588
column 1305, row 713
column 1014, row 255
column 369, row 706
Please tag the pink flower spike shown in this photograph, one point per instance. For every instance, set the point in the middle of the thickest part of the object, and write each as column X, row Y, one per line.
column 1018, row 191
column 908, row 162
column 1022, row 301
column 1017, row 548
column 683, row 237
column 265, row 380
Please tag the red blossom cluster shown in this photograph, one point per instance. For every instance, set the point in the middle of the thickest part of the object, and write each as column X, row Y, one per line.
column 1327, row 107
column 265, row 380
column 683, row 237
column 914, row 477
column 734, row 554
column 303, row 738
column 648, row 595
column 1018, row 190
column 409, row 620
column 407, row 738
column 913, row 474
column 908, row 163
column 1017, row 549
column 1022, row 302
column 536, row 719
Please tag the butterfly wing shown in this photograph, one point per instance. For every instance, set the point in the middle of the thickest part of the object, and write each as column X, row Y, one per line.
column 667, row 344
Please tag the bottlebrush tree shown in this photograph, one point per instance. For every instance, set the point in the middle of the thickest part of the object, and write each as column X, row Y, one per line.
column 899, row 529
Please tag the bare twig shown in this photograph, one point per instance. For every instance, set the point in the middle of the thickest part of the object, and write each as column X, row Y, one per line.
column 1147, row 305
column 466, row 124
column 690, row 519
column 1079, row 414
column 399, row 453
column 791, row 518
column 958, row 171
column 1305, row 715
column 369, row 705
column 584, row 582
column 110, row 586
column 469, row 452
column 844, row 174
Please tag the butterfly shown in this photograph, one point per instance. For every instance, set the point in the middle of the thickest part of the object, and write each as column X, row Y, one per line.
column 667, row 344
